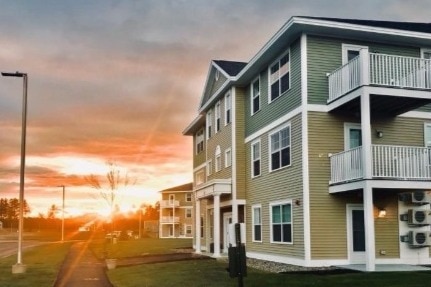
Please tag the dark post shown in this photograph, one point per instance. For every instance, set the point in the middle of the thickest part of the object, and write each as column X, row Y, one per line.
column 237, row 259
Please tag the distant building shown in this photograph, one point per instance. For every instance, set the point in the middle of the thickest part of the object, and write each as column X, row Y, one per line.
column 176, row 210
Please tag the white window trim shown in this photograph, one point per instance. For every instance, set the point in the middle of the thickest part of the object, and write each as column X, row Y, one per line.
column 198, row 137
column 347, row 128
column 425, row 50
column 199, row 175
column 227, row 107
column 252, row 159
column 209, row 167
column 252, row 96
column 227, row 158
column 427, row 126
column 209, row 124
column 191, row 197
column 186, row 226
column 269, row 76
column 217, row 128
column 349, row 47
column 253, row 223
column 186, row 213
column 270, row 144
column 281, row 202
column 217, row 156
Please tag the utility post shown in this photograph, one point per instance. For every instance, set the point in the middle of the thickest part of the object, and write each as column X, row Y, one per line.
column 237, row 259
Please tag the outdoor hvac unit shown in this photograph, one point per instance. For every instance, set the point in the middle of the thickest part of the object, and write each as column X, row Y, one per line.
column 416, row 197
column 419, row 238
column 418, row 217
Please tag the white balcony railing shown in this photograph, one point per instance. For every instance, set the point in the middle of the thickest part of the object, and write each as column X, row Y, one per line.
column 382, row 70
column 388, row 162
column 169, row 203
column 169, row 219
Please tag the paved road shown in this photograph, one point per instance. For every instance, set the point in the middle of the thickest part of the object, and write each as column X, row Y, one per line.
column 10, row 247
column 82, row 269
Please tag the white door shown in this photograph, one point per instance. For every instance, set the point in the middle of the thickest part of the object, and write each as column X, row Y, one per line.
column 227, row 219
column 356, row 233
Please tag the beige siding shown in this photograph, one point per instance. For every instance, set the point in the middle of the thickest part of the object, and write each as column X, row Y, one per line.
column 240, row 147
column 284, row 184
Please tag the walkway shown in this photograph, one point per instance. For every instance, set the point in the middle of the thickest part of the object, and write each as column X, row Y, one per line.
column 82, row 269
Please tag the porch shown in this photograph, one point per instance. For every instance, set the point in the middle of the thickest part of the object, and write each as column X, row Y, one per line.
column 404, row 163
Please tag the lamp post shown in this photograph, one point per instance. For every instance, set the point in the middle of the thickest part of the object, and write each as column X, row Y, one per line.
column 62, row 214
column 19, row 267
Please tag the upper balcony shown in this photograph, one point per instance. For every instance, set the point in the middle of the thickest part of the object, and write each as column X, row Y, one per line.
column 398, row 75
column 169, row 203
column 389, row 162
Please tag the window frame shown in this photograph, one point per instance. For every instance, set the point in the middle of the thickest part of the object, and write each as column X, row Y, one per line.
column 199, row 177
column 271, row 152
column 200, row 139
column 253, row 96
column 209, row 124
column 188, row 213
column 227, row 108
column 189, row 197
column 427, row 134
column 254, row 224
column 209, row 167
column 345, row 48
column 277, row 62
column 218, row 117
column 218, row 162
column 281, row 203
column 253, row 160
column 187, row 228
column 228, row 157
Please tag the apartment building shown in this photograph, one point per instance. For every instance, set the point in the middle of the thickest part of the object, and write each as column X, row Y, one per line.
column 320, row 144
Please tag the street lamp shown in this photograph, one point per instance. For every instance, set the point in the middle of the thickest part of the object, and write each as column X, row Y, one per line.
column 62, row 215
column 19, row 267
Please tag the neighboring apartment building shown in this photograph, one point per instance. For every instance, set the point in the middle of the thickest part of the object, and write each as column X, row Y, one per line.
column 321, row 145
column 176, row 212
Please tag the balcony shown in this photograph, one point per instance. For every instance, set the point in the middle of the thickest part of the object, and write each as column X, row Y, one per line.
column 388, row 162
column 169, row 219
column 169, row 203
column 380, row 70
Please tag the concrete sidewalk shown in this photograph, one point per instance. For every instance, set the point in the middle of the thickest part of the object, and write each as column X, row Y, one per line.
column 82, row 269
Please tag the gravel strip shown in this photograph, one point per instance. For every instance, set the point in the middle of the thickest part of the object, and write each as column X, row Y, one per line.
column 275, row 267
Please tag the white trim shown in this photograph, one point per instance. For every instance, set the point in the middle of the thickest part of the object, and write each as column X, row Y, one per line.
column 235, row 217
column 305, row 151
column 274, row 124
column 295, row 260
column 349, row 225
column 252, row 95
column 217, row 116
column 227, row 99
column 217, row 158
column 425, row 50
column 209, row 123
column 279, row 203
column 347, row 127
column 427, row 126
column 253, row 223
column 228, row 159
column 209, row 167
column 349, row 47
column 277, row 130
column 418, row 115
column 201, row 166
column 279, row 78
column 318, row 108
column 386, row 184
column 256, row 141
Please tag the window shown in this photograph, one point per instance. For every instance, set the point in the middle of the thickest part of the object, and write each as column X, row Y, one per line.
column 188, row 213
column 281, row 222
column 228, row 109
column 199, row 177
column 202, row 227
column 188, row 197
column 228, row 157
column 257, row 223
column 218, row 159
column 255, row 96
column 199, row 141
column 255, row 159
column 350, row 52
column 218, row 116
column 209, row 124
column 209, row 167
column 188, row 230
column 279, row 77
column 280, row 148
column 427, row 135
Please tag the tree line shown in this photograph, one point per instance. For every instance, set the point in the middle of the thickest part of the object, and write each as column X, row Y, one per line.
column 9, row 211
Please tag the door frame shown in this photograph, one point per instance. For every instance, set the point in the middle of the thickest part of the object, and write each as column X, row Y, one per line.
column 226, row 217
column 353, row 257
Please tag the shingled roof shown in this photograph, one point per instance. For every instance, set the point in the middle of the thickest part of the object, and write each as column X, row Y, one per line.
column 183, row 187
column 407, row 26
column 232, row 68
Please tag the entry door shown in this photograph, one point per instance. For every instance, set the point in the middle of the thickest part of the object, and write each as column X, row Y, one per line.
column 353, row 139
column 426, row 54
column 227, row 219
column 356, row 233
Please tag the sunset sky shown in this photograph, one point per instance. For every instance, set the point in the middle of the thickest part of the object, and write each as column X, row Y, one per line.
column 120, row 80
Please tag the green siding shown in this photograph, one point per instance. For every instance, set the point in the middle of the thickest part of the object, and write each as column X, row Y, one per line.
column 240, row 147
column 282, row 105
column 284, row 184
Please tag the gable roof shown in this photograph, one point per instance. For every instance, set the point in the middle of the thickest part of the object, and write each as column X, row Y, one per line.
column 407, row 26
column 183, row 187
column 232, row 68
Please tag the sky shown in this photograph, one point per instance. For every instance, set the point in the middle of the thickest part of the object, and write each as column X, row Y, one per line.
column 118, row 81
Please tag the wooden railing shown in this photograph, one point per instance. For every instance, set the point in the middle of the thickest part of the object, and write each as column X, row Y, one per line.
column 383, row 70
column 388, row 162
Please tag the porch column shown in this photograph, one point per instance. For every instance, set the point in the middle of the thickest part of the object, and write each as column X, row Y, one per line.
column 235, row 218
column 370, row 246
column 216, row 225
column 366, row 134
column 198, row 226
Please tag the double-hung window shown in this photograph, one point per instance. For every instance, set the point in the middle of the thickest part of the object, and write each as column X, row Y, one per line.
column 280, row 148
column 199, row 141
column 209, row 124
column 255, row 96
column 279, row 77
column 188, row 197
column 255, row 159
column 228, row 157
column 209, row 167
column 257, row 223
column 188, row 213
column 218, row 117
column 218, row 159
column 281, row 222
column 228, row 108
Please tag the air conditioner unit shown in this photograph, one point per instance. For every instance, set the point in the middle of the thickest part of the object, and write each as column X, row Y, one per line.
column 418, row 217
column 419, row 238
column 420, row 197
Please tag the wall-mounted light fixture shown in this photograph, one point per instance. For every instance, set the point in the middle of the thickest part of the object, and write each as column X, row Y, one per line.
column 382, row 213
column 379, row 134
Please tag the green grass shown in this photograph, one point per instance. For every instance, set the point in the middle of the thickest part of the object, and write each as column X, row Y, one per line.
column 130, row 248
column 210, row 273
column 43, row 263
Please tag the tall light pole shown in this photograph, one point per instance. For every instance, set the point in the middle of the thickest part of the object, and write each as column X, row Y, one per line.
column 62, row 215
column 19, row 267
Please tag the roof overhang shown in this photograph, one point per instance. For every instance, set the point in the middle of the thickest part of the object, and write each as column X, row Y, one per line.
column 195, row 125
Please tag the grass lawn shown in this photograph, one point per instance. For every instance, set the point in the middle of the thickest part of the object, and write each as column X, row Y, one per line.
column 43, row 263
